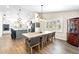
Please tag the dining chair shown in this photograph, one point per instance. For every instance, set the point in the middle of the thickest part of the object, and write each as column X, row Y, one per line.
column 53, row 36
column 33, row 42
column 49, row 39
column 44, row 41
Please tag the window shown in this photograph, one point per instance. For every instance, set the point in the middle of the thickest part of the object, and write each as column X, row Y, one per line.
column 54, row 25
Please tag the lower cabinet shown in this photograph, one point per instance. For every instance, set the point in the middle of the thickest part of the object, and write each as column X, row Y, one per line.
column 73, row 38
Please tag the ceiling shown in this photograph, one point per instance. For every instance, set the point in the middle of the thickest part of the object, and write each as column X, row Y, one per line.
column 51, row 8
column 37, row 8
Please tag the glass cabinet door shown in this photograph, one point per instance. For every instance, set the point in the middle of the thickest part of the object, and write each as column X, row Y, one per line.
column 71, row 26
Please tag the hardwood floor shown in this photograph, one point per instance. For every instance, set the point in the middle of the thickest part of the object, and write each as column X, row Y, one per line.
column 9, row 46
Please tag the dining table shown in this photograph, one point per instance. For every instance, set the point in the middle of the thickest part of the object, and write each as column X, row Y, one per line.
column 35, row 34
column 31, row 35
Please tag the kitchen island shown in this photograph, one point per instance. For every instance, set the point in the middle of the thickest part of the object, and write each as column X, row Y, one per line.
column 17, row 33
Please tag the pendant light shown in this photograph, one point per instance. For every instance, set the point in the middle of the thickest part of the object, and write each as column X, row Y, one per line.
column 41, row 11
column 19, row 15
column 41, row 14
column 18, row 23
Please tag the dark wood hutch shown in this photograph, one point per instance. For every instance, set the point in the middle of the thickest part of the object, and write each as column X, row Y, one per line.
column 73, row 31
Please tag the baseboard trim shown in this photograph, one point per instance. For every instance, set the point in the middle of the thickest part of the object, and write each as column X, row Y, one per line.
column 60, row 39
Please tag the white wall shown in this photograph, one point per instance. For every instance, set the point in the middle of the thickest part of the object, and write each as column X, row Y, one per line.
column 0, row 25
column 65, row 15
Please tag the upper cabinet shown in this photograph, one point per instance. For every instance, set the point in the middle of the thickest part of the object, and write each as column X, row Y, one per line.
column 73, row 25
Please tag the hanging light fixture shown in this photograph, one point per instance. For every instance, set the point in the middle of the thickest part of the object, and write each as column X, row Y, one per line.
column 41, row 11
column 41, row 14
column 18, row 22
column 19, row 15
column 6, row 12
